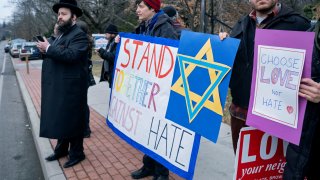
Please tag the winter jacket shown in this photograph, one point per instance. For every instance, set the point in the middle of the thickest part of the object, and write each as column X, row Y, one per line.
column 244, row 30
column 108, row 56
column 160, row 26
column 64, row 86
column 303, row 160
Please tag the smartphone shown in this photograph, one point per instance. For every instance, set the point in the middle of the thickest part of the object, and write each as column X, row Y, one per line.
column 40, row 38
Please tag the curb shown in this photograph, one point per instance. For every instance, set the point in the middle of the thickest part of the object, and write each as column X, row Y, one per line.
column 51, row 170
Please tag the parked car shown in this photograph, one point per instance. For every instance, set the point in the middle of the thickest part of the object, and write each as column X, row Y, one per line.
column 30, row 47
column 15, row 49
column 6, row 48
column 18, row 40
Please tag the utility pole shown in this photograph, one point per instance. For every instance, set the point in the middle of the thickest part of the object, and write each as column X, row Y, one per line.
column 202, row 16
column 212, row 20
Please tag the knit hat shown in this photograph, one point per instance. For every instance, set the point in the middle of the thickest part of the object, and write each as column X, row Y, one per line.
column 111, row 29
column 155, row 4
column 170, row 11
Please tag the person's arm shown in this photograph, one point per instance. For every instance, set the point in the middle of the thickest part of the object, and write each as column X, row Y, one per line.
column 310, row 90
column 43, row 45
column 108, row 56
column 76, row 49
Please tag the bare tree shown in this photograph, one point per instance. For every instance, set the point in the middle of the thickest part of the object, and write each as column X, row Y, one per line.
column 99, row 13
column 37, row 17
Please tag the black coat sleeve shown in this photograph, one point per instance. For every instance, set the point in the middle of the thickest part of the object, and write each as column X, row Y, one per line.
column 108, row 55
column 70, row 52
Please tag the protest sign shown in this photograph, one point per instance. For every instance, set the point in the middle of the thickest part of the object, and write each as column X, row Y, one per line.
column 139, row 100
column 279, row 71
column 279, row 64
column 200, row 82
column 259, row 156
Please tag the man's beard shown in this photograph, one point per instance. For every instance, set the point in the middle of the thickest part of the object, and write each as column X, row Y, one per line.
column 267, row 9
column 65, row 26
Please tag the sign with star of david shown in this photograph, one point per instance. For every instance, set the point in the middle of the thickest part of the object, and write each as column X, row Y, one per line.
column 144, row 67
column 200, row 82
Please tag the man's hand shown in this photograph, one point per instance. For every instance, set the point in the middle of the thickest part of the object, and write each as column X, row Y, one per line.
column 98, row 51
column 310, row 90
column 223, row 35
column 117, row 39
column 42, row 46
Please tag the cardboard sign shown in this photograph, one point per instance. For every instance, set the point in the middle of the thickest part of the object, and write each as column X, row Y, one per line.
column 279, row 65
column 259, row 156
column 139, row 100
column 200, row 82
column 279, row 71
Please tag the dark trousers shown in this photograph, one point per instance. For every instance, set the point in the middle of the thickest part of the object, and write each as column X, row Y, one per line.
column 76, row 147
column 153, row 165
column 87, row 129
column 236, row 125
column 303, row 160
column 313, row 167
column 313, row 164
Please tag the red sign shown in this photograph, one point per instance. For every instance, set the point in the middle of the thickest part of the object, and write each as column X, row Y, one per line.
column 260, row 156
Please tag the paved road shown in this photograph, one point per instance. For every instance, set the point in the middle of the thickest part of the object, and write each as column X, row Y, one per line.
column 18, row 155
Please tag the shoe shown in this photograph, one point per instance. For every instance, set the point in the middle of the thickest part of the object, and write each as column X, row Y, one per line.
column 161, row 177
column 141, row 173
column 54, row 157
column 73, row 162
column 87, row 135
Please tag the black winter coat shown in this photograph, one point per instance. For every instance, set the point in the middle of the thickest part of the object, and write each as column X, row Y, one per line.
column 108, row 56
column 303, row 160
column 162, row 28
column 244, row 30
column 64, row 86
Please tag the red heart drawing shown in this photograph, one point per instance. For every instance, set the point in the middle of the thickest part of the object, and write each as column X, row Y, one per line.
column 290, row 109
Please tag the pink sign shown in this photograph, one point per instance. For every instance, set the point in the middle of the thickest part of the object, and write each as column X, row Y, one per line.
column 281, row 59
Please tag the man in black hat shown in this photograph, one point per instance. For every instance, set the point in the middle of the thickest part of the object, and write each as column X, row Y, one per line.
column 64, row 85
column 108, row 54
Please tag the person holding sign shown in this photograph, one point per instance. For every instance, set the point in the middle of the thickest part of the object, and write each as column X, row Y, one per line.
column 265, row 14
column 153, row 23
column 303, row 160
column 108, row 54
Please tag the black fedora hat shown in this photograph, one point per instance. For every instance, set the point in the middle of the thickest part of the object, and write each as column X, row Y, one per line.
column 71, row 4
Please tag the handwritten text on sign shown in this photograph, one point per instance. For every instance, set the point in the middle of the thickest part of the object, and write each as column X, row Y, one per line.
column 139, row 100
column 279, row 72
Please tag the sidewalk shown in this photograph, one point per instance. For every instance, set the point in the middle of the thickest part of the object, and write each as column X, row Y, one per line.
column 108, row 156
